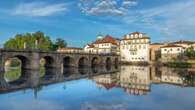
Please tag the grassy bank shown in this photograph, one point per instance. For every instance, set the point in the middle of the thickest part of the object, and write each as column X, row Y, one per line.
column 178, row 64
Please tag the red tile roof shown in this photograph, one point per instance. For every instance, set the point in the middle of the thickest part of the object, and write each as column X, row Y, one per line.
column 183, row 42
column 134, row 33
column 107, row 39
column 107, row 86
column 170, row 45
column 90, row 45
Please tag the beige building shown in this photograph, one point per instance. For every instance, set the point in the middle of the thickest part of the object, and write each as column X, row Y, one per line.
column 169, row 75
column 155, row 52
column 107, row 81
column 103, row 45
column 170, row 52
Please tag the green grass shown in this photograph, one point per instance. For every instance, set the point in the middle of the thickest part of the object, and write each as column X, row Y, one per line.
column 14, row 73
column 179, row 64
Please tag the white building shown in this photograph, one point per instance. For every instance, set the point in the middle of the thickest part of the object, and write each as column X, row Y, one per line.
column 135, row 79
column 103, row 45
column 170, row 52
column 134, row 47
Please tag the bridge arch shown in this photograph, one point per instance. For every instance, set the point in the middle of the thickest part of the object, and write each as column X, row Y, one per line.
column 116, row 62
column 68, row 62
column 95, row 61
column 48, row 61
column 108, row 61
column 24, row 61
column 83, row 62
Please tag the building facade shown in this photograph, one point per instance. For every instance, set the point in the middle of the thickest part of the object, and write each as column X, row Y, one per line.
column 134, row 47
column 103, row 45
column 170, row 52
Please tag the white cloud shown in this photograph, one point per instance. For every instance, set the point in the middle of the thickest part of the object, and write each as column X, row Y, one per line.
column 35, row 9
column 175, row 19
column 105, row 7
column 107, row 106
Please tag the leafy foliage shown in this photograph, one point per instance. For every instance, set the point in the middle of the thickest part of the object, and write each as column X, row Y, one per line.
column 190, row 52
column 59, row 43
column 27, row 41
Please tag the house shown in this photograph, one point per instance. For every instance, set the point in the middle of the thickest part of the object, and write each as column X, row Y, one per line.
column 134, row 47
column 103, row 45
column 155, row 51
column 170, row 52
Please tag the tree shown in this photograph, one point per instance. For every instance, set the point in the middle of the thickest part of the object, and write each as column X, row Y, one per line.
column 189, row 52
column 59, row 43
column 29, row 39
column 44, row 42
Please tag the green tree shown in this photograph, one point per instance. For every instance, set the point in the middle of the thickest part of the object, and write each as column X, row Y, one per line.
column 59, row 43
column 44, row 42
column 190, row 52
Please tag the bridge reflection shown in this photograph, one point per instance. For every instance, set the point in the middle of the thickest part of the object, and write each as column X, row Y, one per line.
column 134, row 80
column 32, row 79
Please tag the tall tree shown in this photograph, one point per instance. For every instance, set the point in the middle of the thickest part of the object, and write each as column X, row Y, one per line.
column 44, row 42
column 59, row 43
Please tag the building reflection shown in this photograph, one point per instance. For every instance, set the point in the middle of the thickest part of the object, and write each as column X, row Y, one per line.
column 137, row 80
column 134, row 80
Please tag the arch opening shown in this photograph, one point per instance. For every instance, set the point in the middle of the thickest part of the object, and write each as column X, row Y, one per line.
column 108, row 64
column 83, row 65
column 108, row 61
column 14, row 67
column 116, row 63
column 94, row 62
column 47, row 62
column 83, row 62
column 68, row 62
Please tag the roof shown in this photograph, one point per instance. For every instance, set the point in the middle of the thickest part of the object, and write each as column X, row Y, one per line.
column 184, row 42
column 134, row 33
column 170, row 46
column 156, row 44
column 90, row 45
column 107, row 39
column 67, row 48
column 107, row 86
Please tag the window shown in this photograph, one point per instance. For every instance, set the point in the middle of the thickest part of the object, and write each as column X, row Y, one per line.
column 171, row 49
column 165, row 49
column 127, row 47
column 140, row 46
column 178, row 49
column 144, row 46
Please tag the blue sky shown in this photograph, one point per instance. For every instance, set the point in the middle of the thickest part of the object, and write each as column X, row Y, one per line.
column 79, row 21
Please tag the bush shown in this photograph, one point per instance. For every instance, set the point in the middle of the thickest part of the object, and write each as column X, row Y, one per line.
column 179, row 64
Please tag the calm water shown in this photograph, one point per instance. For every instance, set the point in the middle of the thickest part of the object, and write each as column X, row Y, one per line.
column 106, row 88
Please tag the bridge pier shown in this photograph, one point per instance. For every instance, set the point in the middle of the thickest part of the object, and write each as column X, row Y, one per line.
column 33, row 63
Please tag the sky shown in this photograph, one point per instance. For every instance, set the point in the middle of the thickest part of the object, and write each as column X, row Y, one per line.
column 79, row 21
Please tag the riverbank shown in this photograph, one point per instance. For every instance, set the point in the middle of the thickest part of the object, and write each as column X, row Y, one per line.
column 174, row 64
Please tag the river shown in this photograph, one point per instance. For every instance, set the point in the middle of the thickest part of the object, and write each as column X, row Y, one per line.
column 101, row 88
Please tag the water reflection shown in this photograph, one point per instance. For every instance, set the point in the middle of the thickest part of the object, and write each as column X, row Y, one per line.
column 15, row 79
column 137, row 80
column 134, row 80
column 99, row 88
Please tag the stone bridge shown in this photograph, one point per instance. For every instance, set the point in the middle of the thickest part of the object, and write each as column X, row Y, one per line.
column 30, row 59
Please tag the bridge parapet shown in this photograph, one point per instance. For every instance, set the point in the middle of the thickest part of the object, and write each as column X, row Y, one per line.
column 31, row 58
